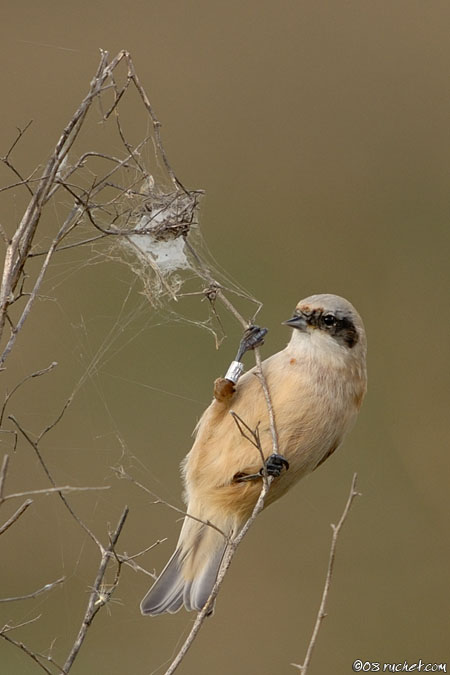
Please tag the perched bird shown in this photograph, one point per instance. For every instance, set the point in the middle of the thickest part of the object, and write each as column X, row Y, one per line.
column 317, row 384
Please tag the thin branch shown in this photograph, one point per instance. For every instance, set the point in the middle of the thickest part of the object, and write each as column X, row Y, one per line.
column 11, row 166
column 121, row 473
column 131, row 562
column 63, row 488
column 63, row 231
column 14, row 143
column 8, row 396
column 75, row 244
column 50, row 477
column 303, row 668
column 16, row 515
column 156, row 123
column 20, row 645
column 251, row 435
column 34, row 594
column 27, row 651
column 3, row 472
column 7, row 628
column 126, row 558
column 97, row 598
column 56, row 421
column 265, row 388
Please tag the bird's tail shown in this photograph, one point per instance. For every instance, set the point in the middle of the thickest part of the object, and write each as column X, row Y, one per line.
column 190, row 574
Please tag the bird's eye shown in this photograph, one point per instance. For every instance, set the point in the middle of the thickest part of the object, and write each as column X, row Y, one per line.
column 329, row 320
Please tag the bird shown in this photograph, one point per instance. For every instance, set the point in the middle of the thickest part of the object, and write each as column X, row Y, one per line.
column 317, row 384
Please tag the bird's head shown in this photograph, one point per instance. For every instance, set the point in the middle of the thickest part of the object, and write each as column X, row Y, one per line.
column 329, row 323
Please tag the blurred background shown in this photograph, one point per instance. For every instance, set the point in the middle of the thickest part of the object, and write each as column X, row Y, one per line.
column 320, row 134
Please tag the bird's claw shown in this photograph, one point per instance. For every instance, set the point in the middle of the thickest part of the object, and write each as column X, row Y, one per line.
column 274, row 465
column 253, row 337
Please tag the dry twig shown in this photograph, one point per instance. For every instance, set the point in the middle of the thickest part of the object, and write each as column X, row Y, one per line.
column 34, row 594
column 99, row 596
column 16, row 515
column 20, row 645
column 303, row 668
column 35, row 447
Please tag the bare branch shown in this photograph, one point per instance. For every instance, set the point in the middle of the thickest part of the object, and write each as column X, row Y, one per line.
column 121, row 473
column 262, row 379
column 63, row 488
column 8, row 396
column 7, row 628
column 98, row 598
column 34, row 594
column 303, row 668
column 20, row 645
column 33, row 655
column 7, row 161
column 50, row 477
column 16, row 515
column 3, row 472
column 131, row 562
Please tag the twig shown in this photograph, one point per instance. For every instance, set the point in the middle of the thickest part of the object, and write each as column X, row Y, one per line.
column 3, row 471
column 63, row 231
column 6, row 160
column 27, row 651
column 34, row 594
column 63, row 488
column 265, row 388
column 34, row 656
column 7, row 628
column 251, row 435
column 121, row 473
column 50, row 477
column 38, row 373
column 303, row 668
column 131, row 562
column 59, row 417
column 16, row 515
column 125, row 558
column 98, row 598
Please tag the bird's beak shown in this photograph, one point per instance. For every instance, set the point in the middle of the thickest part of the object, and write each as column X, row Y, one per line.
column 297, row 321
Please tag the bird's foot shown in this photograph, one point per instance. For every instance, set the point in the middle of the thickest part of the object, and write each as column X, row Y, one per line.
column 274, row 465
column 253, row 337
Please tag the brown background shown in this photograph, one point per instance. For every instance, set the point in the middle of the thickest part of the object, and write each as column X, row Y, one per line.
column 320, row 132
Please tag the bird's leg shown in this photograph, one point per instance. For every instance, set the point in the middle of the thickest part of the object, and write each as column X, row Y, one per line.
column 253, row 337
column 224, row 387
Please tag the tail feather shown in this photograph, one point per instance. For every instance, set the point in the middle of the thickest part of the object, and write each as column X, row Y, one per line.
column 190, row 574
column 166, row 594
column 197, row 591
